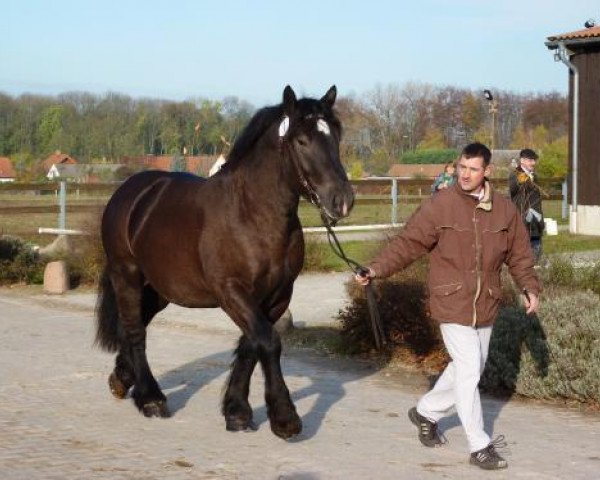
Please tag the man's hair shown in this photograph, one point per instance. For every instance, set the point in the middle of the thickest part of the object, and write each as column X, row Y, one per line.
column 474, row 150
column 528, row 153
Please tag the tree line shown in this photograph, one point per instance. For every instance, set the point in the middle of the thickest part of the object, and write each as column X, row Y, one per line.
column 380, row 125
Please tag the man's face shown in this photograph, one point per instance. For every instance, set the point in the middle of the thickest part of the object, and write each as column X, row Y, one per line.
column 528, row 164
column 471, row 173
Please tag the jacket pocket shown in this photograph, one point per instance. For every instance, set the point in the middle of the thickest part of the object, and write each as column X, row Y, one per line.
column 453, row 239
column 495, row 247
column 447, row 289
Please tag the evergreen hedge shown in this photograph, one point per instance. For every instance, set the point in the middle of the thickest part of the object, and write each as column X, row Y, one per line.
column 18, row 262
column 439, row 156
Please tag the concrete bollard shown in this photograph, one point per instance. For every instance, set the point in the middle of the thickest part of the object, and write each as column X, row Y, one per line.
column 551, row 227
column 56, row 279
column 285, row 323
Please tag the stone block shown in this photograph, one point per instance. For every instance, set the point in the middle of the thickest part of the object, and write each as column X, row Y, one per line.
column 285, row 323
column 56, row 278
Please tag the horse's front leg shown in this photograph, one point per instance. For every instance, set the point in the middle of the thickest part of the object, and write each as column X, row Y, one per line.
column 236, row 409
column 285, row 422
column 261, row 343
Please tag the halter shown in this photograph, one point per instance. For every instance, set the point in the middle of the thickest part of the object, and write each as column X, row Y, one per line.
column 329, row 222
column 313, row 196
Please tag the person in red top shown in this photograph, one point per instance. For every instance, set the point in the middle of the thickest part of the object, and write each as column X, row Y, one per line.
column 469, row 231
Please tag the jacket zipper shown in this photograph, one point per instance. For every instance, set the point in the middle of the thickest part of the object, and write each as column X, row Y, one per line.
column 477, row 267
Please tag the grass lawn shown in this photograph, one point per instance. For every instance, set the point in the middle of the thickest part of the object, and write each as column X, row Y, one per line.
column 565, row 242
column 363, row 251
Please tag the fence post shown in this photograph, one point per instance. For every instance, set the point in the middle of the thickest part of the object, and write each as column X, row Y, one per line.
column 565, row 206
column 62, row 201
column 394, row 201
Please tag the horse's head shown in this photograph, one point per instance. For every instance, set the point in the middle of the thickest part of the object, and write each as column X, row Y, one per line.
column 310, row 133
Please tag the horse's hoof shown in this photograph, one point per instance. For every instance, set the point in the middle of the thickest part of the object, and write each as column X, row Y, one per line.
column 117, row 387
column 287, row 429
column 156, row 409
column 236, row 424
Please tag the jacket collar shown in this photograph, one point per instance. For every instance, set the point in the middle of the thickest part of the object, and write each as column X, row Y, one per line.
column 486, row 201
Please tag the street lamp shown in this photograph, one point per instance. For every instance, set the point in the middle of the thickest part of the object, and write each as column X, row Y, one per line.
column 492, row 108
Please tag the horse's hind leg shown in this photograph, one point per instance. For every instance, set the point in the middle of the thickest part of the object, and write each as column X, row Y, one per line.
column 235, row 408
column 129, row 293
column 123, row 376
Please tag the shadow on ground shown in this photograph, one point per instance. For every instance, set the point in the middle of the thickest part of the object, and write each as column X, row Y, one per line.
column 328, row 377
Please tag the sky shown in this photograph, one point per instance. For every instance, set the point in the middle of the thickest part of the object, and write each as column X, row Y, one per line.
column 186, row 49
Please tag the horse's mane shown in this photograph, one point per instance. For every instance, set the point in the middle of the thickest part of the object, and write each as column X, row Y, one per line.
column 258, row 124
column 264, row 119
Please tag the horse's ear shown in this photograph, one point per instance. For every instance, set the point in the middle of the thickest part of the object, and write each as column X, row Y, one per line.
column 289, row 100
column 329, row 97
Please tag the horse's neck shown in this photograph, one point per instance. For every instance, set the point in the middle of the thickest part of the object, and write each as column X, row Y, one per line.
column 267, row 177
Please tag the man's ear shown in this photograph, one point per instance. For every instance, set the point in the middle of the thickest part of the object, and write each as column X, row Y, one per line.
column 329, row 98
column 489, row 170
column 289, row 100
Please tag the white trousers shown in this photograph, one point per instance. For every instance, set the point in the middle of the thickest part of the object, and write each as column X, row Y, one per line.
column 458, row 385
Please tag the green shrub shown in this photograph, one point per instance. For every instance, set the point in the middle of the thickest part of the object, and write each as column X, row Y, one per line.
column 555, row 354
column 589, row 277
column 560, row 271
column 439, row 156
column 19, row 263
column 552, row 355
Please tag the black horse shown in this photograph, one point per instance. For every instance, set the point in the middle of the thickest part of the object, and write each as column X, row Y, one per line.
column 232, row 241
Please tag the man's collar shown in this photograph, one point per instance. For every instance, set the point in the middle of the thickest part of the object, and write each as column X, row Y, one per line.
column 484, row 197
column 485, row 203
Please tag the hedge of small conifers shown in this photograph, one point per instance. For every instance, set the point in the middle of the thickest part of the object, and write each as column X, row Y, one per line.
column 554, row 355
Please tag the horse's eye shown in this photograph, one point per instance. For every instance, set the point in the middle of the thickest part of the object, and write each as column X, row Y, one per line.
column 302, row 140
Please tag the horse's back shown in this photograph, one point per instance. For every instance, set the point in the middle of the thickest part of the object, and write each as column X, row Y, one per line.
column 135, row 198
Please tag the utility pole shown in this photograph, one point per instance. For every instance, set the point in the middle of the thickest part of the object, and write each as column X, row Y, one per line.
column 492, row 109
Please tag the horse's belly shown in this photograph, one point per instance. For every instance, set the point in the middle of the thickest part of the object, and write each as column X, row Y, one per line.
column 182, row 291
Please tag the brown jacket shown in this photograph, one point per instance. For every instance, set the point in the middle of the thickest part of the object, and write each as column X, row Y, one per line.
column 469, row 241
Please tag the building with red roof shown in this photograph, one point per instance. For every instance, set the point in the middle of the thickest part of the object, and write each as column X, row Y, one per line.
column 58, row 158
column 7, row 171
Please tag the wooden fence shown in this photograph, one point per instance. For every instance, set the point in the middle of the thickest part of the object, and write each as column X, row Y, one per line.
column 33, row 198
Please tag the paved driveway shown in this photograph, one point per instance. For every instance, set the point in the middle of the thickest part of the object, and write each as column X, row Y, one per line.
column 58, row 420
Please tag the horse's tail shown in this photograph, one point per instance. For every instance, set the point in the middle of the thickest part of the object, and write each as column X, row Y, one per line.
column 107, row 315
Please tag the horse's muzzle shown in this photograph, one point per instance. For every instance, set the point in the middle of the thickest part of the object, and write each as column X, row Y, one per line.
column 341, row 203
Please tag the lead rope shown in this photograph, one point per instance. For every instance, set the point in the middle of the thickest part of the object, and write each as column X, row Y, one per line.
column 355, row 267
column 358, row 269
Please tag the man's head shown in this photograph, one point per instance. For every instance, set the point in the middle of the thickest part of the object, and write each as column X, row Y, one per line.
column 528, row 159
column 473, row 166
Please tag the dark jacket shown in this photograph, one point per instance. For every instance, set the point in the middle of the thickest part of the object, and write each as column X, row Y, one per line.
column 526, row 194
column 469, row 241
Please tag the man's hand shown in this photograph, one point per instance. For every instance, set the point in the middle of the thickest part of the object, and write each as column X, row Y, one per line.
column 531, row 302
column 364, row 277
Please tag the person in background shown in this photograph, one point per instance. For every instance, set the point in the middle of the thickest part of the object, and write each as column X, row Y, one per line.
column 527, row 196
column 469, row 231
column 445, row 179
